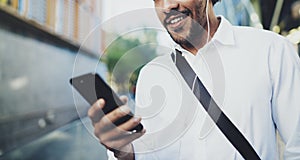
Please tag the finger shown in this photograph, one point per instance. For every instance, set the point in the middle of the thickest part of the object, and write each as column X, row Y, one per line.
column 122, row 129
column 118, row 113
column 130, row 124
column 95, row 112
column 124, row 99
column 127, row 139
column 106, row 123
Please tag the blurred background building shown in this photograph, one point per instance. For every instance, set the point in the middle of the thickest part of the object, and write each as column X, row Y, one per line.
column 43, row 43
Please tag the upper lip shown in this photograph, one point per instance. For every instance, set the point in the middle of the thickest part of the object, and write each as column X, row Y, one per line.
column 174, row 14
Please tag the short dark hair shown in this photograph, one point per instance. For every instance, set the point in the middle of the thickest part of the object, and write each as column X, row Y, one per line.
column 215, row 1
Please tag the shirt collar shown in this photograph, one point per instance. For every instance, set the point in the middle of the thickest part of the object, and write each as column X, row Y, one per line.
column 223, row 35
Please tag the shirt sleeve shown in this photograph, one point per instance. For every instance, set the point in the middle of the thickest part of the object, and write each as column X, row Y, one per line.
column 285, row 76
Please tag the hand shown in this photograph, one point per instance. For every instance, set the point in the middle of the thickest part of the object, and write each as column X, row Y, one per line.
column 115, row 138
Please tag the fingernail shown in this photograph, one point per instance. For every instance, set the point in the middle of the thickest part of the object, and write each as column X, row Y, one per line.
column 100, row 102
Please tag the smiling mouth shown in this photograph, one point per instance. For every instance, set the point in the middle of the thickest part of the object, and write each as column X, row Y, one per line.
column 175, row 20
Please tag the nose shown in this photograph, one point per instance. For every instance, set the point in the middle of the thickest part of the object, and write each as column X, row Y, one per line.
column 168, row 5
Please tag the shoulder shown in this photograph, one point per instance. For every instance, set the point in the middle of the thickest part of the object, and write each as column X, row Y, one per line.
column 158, row 62
column 257, row 36
column 162, row 68
column 163, row 59
column 261, row 42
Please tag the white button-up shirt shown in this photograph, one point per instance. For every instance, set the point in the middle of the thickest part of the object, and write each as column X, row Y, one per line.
column 253, row 75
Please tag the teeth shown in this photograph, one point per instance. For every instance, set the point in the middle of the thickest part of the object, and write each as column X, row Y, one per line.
column 176, row 20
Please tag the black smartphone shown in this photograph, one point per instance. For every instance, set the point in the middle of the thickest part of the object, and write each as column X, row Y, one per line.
column 92, row 87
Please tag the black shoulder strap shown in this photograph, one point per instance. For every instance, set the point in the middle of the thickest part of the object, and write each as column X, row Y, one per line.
column 235, row 137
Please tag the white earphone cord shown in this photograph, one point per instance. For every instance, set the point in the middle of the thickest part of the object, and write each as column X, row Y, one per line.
column 208, row 24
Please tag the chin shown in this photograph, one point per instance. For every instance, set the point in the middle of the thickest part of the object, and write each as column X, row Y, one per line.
column 182, row 39
column 179, row 37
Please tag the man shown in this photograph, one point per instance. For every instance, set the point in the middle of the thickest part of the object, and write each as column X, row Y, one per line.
column 261, row 83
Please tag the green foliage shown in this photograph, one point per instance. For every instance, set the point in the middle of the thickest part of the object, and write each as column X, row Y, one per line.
column 117, row 49
column 127, row 54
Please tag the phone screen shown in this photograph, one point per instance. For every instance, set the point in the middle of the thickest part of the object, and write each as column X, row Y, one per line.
column 92, row 87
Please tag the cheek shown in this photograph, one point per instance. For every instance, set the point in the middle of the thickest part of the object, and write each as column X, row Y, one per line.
column 160, row 14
